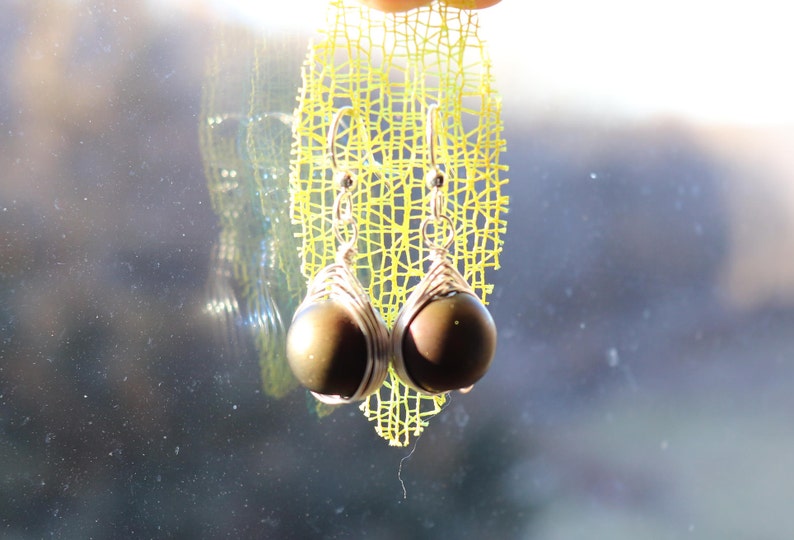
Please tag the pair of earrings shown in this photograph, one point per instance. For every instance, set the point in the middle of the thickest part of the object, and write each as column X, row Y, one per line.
column 443, row 339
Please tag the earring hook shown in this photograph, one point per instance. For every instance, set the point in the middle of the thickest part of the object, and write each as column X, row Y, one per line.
column 434, row 178
column 435, row 181
column 345, row 176
column 343, row 203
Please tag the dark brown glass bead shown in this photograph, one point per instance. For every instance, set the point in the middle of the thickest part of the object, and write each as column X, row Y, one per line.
column 449, row 344
column 326, row 349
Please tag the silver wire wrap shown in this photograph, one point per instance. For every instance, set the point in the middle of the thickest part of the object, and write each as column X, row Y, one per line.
column 338, row 282
column 442, row 278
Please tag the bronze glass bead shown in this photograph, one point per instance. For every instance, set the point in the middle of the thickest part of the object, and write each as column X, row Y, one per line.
column 326, row 349
column 449, row 344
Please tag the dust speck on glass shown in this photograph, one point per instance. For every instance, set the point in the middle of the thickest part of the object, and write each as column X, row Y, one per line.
column 404, row 105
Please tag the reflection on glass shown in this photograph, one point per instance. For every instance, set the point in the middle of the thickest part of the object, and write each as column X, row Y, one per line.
column 246, row 150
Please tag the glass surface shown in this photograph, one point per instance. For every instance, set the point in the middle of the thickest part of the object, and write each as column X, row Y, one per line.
column 642, row 386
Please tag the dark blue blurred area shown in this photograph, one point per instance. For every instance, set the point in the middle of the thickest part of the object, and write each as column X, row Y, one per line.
column 632, row 395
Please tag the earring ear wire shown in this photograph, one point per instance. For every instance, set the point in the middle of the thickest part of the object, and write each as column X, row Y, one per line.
column 338, row 345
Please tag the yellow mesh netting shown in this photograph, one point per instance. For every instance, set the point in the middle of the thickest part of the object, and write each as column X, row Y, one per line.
column 390, row 68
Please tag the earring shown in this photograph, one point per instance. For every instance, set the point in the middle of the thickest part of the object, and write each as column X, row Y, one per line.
column 338, row 345
column 444, row 338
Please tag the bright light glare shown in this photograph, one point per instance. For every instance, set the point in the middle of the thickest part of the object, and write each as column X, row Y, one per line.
column 702, row 60
column 305, row 15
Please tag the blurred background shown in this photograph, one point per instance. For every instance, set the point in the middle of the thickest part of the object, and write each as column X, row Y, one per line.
column 643, row 381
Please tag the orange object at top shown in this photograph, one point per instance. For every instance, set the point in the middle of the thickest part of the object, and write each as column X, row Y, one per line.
column 392, row 6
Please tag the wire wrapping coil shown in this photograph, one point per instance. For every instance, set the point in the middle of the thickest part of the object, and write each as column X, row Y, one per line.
column 337, row 282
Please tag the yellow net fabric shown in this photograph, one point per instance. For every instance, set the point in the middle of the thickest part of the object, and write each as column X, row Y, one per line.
column 390, row 68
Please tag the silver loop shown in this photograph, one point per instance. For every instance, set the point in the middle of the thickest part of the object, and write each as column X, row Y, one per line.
column 447, row 241
column 347, row 248
column 343, row 208
column 343, row 217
